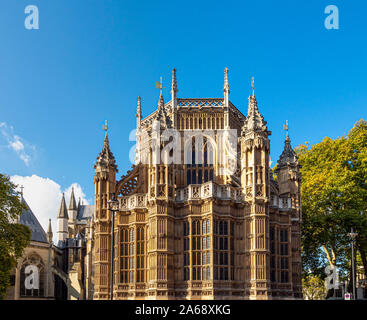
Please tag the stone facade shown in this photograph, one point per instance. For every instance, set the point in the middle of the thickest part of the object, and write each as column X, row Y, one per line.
column 216, row 227
column 75, row 241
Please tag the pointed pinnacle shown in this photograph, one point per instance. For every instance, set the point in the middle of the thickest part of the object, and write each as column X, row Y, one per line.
column 63, row 213
column 226, row 82
column 174, row 80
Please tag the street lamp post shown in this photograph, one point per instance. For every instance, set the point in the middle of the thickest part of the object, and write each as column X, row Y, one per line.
column 113, row 207
column 353, row 235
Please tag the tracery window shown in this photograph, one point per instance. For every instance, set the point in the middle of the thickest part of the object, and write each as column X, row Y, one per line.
column 131, row 255
column 140, row 255
column 127, row 254
column 284, row 260
column 223, row 250
column 36, row 262
column 206, row 245
column 186, row 250
column 198, row 232
column 272, row 254
column 196, row 250
column 199, row 161
column 124, row 255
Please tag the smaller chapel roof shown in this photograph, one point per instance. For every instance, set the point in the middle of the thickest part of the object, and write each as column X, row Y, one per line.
column 28, row 219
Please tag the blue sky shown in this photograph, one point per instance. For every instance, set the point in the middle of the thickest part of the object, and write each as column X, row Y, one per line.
column 90, row 60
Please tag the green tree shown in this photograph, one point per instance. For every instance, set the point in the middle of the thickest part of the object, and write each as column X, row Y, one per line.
column 313, row 288
column 334, row 199
column 14, row 237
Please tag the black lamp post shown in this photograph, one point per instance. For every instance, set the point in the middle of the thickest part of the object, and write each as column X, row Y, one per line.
column 352, row 236
column 113, row 207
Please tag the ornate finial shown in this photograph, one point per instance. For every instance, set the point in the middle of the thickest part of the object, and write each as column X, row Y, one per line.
column 253, row 86
column 21, row 190
column 159, row 85
column 105, row 127
column 286, row 127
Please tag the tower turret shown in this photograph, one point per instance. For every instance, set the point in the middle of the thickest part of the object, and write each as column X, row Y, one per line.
column 255, row 149
column 104, row 179
column 288, row 168
column 105, row 187
column 289, row 181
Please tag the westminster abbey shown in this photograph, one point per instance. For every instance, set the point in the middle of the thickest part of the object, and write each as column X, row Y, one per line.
column 200, row 214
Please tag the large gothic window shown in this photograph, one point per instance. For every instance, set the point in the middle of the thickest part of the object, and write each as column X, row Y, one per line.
column 140, row 255
column 199, row 161
column 186, row 250
column 132, row 255
column 284, row 261
column 124, row 255
column 199, row 252
column 196, row 250
column 32, row 276
column 272, row 255
column 223, row 250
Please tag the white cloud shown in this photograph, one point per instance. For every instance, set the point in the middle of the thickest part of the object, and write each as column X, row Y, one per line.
column 78, row 193
column 43, row 196
column 16, row 143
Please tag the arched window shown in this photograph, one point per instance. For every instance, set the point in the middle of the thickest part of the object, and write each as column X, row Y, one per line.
column 199, row 160
column 223, row 245
column 32, row 276
column 140, row 255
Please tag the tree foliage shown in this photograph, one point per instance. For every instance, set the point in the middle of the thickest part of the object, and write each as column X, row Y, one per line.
column 14, row 237
column 334, row 199
column 313, row 288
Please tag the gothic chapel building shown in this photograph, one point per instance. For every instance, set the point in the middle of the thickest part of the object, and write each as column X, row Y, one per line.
column 194, row 229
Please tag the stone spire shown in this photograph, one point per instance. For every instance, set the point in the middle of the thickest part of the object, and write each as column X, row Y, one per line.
column 105, row 157
column 288, row 155
column 72, row 202
column 63, row 212
column 226, row 88
column 138, row 113
column 254, row 120
column 63, row 221
column 49, row 232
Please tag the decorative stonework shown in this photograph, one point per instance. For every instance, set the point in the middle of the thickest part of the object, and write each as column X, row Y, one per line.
column 194, row 231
